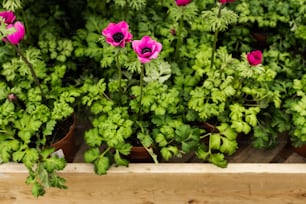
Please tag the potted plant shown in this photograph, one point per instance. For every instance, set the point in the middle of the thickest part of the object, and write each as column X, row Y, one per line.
column 163, row 103
column 37, row 104
column 135, row 106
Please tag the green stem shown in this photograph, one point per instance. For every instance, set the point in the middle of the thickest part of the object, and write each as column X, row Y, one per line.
column 206, row 135
column 105, row 151
column 179, row 36
column 215, row 40
column 30, row 67
column 119, row 76
column 141, row 90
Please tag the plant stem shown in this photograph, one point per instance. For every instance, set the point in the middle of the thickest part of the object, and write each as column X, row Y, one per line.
column 179, row 36
column 215, row 40
column 30, row 67
column 141, row 89
column 119, row 76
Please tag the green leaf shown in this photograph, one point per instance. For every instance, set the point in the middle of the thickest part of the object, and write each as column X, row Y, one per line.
column 49, row 127
column 228, row 146
column 202, row 154
column 145, row 139
column 215, row 141
column 124, row 148
column 57, row 181
column 161, row 140
column 38, row 190
column 43, row 175
column 31, row 157
column 45, row 153
column 120, row 161
column 218, row 159
column 18, row 156
column 227, row 131
column 186, row 147
column 92, row 137
column 54, row 163
column 102, row 165
column 166, row 153
column 91, row 155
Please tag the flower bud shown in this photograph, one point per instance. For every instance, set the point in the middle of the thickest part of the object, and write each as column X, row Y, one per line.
column 12, row 97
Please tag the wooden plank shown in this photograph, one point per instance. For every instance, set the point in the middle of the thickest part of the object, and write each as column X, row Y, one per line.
column 165, row 183
column 249, row 154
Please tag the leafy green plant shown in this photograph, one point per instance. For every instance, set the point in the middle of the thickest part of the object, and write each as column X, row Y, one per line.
column 35, row 99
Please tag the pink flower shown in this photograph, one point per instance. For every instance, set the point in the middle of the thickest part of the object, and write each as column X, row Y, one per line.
column 146, row 49
column 226, row 1
column 254, row 57
column 117, row 34
column 182, row 2
column 8, row 16
column 18, row 35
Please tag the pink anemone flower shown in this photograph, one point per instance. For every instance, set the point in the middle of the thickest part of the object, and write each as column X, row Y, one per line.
column 18, row 35
column 146, row 49
column 254, row 58
column 226, row 1
column 117, row 34
column 8, row 16
column 182, row 2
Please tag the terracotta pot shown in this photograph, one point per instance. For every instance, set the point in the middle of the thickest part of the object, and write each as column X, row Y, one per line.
column 300, row 150
column 139, row 154
column 66, row 144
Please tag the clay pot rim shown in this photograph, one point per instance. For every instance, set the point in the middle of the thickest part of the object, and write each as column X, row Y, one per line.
column 68, row 134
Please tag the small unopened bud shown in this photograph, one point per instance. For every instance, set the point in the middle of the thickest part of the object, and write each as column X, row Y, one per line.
column 173, row 31
column 12, row 97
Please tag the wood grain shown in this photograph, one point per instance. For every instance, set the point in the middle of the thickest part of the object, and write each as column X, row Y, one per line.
column 165, row 183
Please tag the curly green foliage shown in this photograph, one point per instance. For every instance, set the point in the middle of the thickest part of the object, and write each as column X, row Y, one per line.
column 219, row 20
column 157, row 98
column 12, row 5
column 53, row 48
column 267, row 13
column 233, row 92
column 295, row 108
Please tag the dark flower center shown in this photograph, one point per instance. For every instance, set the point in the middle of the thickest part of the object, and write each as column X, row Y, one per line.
column 118, row 37
column 145, row 50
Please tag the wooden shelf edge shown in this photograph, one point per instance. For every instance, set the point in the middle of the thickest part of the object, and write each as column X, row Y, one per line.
column 175, row 168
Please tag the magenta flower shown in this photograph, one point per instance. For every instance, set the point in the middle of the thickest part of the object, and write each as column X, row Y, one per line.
column 117, row 34
column 182, row 2
column 18, row 35
column 8, row 16
column 254, row 57
column 226, row 1
column 146, row 49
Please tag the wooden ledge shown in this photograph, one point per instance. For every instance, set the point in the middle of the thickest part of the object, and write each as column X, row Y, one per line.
column 175, row 168
column 165, row 183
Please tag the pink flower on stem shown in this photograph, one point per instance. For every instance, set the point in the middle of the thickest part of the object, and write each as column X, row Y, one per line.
column 146, row 49
column 254, row 57
column 226, row 1
column 18, row 35
column 117, row 34
column 182, row 2
column 8, row 16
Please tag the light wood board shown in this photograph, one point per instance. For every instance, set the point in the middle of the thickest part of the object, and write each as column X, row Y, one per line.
column 164, row 183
